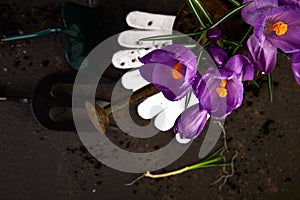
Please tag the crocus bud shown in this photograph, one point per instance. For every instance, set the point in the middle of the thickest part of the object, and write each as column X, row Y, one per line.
column 191, row 122
column 214, row 34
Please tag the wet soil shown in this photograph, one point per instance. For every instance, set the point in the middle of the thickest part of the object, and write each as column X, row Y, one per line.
column 37, row 163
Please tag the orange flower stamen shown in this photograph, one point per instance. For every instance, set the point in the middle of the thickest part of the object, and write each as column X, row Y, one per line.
column 280, row 28
column 222, row 91
column 176, row 71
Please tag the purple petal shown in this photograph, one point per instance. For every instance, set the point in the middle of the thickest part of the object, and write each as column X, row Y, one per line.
column 218, row 54
column 235, row 93
column 209, row 99
column 290, row 41
column 171, row 55
column 160, row 56
column 263, row 55
column 198, row 85
column 161, row 77
column 257, row 10
column 183, row 55
column 296, row 66
column 191, row 122
column 219, row 73
column 241, row 66
column 289, row 2
column 176, row 94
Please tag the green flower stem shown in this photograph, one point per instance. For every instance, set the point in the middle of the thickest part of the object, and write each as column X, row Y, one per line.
column 270, row 83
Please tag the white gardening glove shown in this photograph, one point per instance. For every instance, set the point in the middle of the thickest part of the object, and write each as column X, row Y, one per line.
column 157, row 106
column 145, row 25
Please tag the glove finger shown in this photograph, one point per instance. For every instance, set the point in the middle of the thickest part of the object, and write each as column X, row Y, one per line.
column 133, row 80
column 127, row 59
column 143, row 20
column 165, row 120
column 132, row 39
column 152, row 106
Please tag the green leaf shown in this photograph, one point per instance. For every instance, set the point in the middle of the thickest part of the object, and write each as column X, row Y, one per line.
column 187, row 99
column 231, row 42
column 234, row 2
column 270, row 84
column 215, row 153
column 204, row 163
column 192, row 6
column 203, row 10
column 217, row 165
column 189, row 46
column 255, row 83
column 229, row 15
column 169, row 37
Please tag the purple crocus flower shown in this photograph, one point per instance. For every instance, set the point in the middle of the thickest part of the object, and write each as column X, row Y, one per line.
column 171, row 69
column 220, row 90
column 274, row 27
column 191, row 122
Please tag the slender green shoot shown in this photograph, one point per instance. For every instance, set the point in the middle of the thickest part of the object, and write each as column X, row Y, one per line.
column 193, row 7
column 170, row 37
column 270, row 84
column 204, row 11
column 215, row 153
column 187, row 99
column 253, row 82
column 234, row 2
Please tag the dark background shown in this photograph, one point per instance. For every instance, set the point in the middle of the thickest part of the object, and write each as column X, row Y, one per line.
column 37, row 163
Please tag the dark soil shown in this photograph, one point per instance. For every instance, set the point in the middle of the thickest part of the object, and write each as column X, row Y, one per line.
column 37, row 163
